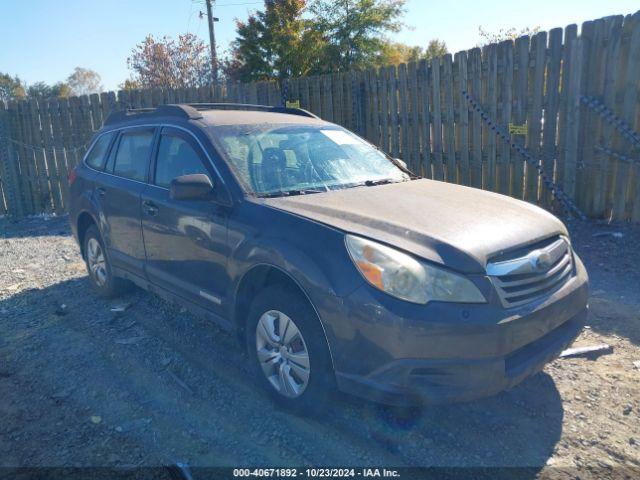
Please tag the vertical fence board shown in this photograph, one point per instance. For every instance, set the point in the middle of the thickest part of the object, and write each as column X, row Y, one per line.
column 448, row 132
column 426, row 158
column 405, row 132
column 570, row 34
column 392, row 85
column 414, row 117
column 551, row 107
column 571, row 144
column 47, row 111
column 67, row 141
column 58, row 148
column 593, row 123
column 335, row 98
column 505, row 86
column 588, row 38
column 521, row 82
column 384, row 110
column 436, row 116
column 475, row 69
column 462, row 126
column 490, row 77
column 534, row 113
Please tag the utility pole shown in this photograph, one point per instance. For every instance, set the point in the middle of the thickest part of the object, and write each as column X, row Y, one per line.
column 212, row 40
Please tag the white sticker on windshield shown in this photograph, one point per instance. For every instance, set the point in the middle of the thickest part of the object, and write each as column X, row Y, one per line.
column 340, row 137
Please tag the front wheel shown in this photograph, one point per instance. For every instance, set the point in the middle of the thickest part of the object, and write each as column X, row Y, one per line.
column 288, row 350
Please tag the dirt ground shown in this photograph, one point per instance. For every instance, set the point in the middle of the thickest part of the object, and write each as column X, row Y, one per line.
column 82, row 385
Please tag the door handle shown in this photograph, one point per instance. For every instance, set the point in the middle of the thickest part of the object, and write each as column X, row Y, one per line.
column 101, row 191
column 150, row 208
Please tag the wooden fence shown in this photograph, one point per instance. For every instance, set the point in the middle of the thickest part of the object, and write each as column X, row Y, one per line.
column 534, row 88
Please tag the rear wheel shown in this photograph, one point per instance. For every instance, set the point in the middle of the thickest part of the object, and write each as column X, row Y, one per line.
column 99, row 268
column 288, row 350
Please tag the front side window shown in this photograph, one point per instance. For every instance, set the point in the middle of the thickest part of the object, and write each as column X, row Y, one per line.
column 283, row 159
column 132, row 157
column 95, row 157
column 176, row 157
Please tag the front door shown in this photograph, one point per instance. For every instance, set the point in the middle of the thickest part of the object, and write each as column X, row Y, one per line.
column 185, row 240
column 117, row 189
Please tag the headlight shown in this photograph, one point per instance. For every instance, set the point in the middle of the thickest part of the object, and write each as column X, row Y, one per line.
column 404, row 277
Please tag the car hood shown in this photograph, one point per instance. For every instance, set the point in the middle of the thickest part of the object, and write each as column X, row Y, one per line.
column 457, row 226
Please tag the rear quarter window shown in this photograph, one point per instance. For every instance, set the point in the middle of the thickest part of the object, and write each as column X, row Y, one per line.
column 132, row 157
column 95, row 157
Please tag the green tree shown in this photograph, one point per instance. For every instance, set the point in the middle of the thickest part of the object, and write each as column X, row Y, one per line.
column 394, row 53
column 61, row 90
column 167, row 63
column 11, row 87
column 43, row 90
column 435, row 48
column 129, row 84
column 355, row 29
column 84, row 81
column 39, row 90
column 276, row 42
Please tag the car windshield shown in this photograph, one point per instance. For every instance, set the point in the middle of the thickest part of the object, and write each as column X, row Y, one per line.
column 295, row 159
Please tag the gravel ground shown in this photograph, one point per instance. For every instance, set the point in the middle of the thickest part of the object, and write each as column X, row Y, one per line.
column 84, row 386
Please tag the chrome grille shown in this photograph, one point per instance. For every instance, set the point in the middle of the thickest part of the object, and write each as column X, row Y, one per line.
column 541, row 271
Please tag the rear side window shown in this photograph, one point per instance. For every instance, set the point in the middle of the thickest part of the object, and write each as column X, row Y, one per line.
column 95, row 157
column 176, row 157
column 132, row 157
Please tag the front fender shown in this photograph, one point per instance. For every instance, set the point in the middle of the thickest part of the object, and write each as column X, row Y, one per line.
column 318, row 282
column 312, row 255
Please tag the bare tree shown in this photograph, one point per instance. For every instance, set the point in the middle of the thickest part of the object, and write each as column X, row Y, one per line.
column 84, row 81
column 487, row 38
column 167, row 63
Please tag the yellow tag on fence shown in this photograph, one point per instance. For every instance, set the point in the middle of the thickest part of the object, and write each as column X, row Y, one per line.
column 517, row 129
column 293, row 103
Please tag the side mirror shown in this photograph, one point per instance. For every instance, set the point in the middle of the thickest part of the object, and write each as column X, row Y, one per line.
column 402, row 163
column 191, row 187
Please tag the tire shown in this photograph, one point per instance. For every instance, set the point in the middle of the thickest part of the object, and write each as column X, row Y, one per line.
column 288, row 305
column 99, row 267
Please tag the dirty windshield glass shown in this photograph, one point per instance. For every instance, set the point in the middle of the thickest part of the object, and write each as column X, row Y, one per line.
column 301, row 158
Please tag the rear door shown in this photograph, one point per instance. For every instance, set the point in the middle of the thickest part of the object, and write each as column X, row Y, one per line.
column 118, row 189
column 185, row 240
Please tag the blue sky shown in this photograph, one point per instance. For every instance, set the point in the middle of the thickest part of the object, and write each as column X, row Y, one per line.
column 45, row 39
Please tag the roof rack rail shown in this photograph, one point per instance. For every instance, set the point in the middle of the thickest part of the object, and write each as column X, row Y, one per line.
column 254, row 107
column 191, row 111
column 171, row 110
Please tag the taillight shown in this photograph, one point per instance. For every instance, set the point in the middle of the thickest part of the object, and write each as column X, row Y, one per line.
column 71, row 177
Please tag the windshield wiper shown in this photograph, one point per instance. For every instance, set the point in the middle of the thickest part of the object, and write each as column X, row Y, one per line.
column 291, row 193
column 383, row 181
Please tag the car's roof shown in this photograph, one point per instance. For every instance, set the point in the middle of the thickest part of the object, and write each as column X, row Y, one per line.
column 213, row 114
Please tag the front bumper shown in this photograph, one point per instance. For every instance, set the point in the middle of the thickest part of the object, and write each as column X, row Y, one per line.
column 404, row 354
